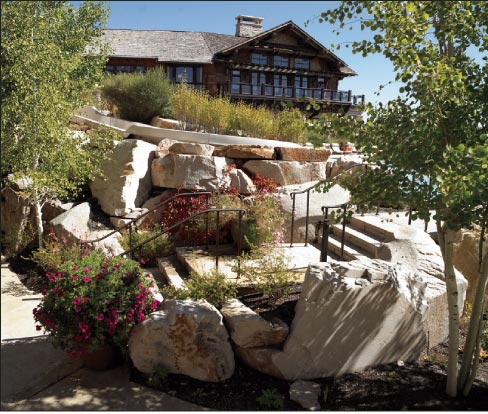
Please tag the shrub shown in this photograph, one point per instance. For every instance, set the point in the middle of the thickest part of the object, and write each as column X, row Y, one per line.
column 55, row 252
column 93, row 301
column 211, row 286
column 139, row 96
column 159, row 247
column 271, row 398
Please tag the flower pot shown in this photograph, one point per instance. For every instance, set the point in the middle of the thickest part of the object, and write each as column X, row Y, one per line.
column 103, row 358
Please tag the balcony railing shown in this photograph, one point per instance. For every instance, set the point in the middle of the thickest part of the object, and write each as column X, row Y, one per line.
column 293, row 92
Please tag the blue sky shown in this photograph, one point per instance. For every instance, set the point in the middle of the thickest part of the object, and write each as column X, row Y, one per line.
column 219, row 17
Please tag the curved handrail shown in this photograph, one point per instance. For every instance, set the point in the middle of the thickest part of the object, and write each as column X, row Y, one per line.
column 307, row 190
column 162, row 203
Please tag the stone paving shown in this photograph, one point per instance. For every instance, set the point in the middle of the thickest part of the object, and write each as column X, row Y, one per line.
column 37, row 377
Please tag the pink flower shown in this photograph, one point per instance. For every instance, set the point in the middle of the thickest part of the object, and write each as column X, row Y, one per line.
column 86, row 279
column 140, row 316
column 77, row 309
column 154, row 304
column 44, row 291
column 120, row 263
column 74, row 277
column 143, row 262
column 84, row 300
column 75, row 267
column 76, row 301
column 72, row 354
column 99, row 276
column 87, row 269
column 100, row 317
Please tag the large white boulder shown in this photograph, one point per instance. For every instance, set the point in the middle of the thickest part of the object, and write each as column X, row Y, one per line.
column 336, row 164
column 191, row 172
column 127, row 178
column 185, row 337
column 190, row 148
column 354, row 315
column 241, row 181
column 287, row 172
column 248, row 329
column 77, row 225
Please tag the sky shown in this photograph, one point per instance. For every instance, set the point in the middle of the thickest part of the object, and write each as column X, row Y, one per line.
column 219, row 17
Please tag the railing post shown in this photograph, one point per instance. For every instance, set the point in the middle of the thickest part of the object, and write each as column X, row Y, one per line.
column 292, row 218
column 343, row 230
column 239, row 246
column 306, row 218
column 349, row 96
column 217, row 240
column 207, row 235
column 325, row 235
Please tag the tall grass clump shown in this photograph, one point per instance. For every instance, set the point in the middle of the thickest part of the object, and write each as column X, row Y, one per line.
column 196, row 110
column 139, row 97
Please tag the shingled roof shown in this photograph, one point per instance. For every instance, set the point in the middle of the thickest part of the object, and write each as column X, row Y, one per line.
column 168, row 46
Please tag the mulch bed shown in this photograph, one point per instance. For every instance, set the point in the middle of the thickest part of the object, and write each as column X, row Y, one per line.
column 418, row 385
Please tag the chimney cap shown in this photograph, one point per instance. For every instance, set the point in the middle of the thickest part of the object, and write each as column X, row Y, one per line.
column 256, row 20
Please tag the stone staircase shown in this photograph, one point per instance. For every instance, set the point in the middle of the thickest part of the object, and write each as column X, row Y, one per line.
column 363, row 237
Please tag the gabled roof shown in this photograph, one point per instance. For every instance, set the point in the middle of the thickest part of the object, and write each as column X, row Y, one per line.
column 168, row 46
column 343, row 67
column 197, row 47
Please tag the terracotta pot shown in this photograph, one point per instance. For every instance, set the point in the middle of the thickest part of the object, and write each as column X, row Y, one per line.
column 103, row 358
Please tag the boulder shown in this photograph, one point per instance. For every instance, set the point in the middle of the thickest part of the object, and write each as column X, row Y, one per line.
column 77, row 225
column 246, row 152
column 241, row 181
column 191, row 172
column 189, row 148
column 465, row 259
column 53, row 208
column 248, row 329
column 163, row 147
column 164, row 123
column 128, row 178
column 152, row 204
column 337, row 195
column 302, row 154
column 306, row 393
column 286, row 172
column 337, row 164
column 346, row 320
column 185, row 337
column 118, row 222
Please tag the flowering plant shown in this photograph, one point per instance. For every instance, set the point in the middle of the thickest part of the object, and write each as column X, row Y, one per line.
column 93, row 302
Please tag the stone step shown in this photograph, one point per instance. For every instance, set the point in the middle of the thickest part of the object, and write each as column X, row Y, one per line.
column 373, row 226
column 173, row 271
column 357, row 238
column 350, row 252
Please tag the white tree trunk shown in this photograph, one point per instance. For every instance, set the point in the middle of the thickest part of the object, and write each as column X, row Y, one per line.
column 446, row 241
column 469, row 363
column 38, row 211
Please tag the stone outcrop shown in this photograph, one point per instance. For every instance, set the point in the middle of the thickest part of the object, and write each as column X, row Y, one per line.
column 246, row 152
column 337, row 195
column 302, row 154
column 164, row 123
column 127, row 181
column 306, row 393
column 337, row 164
column 185, row 337
column 354, row 315
column 287, row 172
column 465, row 259
column 164, row 146
column 248, row 329
column 77, row 225
column 241, row 181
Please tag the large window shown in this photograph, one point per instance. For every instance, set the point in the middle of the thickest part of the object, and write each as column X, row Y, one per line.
column 301, row 85
column 281, row 82
column 302, row 63
column 259, row 59
column 280, row 61
column 189, row 74
column 257, row 79
column 124, row 68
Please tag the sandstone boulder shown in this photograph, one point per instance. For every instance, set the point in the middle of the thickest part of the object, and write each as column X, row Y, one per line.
column 287, row 172
column 191, row 172
column 164, row 146
column 241, row 181
column 189, row 148
column 77, row 225
column 185, row 337
column 302, row 154
column 335, row 165
column 249, row 152
column 128, row 178
column 349, row 323
column 164, row 123
column 248, row 329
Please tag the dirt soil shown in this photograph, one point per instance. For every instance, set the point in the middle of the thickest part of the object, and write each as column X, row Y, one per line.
column 417, row 385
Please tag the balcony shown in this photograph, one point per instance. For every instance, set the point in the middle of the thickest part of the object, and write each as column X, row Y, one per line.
column 291, row 93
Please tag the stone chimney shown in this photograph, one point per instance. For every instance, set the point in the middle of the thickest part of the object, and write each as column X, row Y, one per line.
column 248, row 26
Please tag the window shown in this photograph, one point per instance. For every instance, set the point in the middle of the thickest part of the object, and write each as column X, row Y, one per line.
column 302, row 63
column 259, row 59
column 236, row 80
column 280, row 61
column 189, row 74
column 257, row 79
column 301, row 85
column 280, row 82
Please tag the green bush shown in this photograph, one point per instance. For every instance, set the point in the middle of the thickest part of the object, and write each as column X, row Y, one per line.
column 55, row 252
column 159, row 247
column 139, row 97
column 211, row 286
column 270, row 398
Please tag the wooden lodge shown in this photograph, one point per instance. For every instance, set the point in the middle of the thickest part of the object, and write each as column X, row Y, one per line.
column 283, row 64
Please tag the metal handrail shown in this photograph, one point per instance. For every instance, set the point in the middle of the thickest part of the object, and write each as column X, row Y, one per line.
column 307, row 190
column 209, row 210
column 132, row 221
